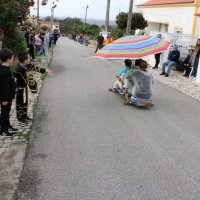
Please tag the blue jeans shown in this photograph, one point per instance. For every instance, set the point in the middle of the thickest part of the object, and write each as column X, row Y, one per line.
column 46, row 47
column 169, row 64
column 196, row 63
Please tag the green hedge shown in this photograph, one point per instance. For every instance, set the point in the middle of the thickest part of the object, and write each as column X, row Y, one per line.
column 15, row 41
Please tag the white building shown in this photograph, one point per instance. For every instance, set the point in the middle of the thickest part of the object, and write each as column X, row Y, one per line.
column 174, row 16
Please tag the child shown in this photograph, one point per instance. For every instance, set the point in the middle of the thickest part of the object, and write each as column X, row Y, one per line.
column 7, row 92
column 24, row 76
column 142, row 82
column 128, row 84
column 187, row 63
column 119, row 82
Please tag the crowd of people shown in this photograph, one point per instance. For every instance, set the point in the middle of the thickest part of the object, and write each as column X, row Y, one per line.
column 189, row 65
column 16, row 84
column 39, row 42
column 81, row 38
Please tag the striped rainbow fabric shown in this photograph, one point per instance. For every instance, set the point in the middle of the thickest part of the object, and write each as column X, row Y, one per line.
column 133, row 47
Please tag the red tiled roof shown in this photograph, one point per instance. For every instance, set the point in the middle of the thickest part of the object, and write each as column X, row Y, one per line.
column 48, row 23
column 166, row 2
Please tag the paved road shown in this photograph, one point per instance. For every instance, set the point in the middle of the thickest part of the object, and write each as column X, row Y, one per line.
column 86, row 145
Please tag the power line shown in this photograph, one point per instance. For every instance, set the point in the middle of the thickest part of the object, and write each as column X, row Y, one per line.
column 92, row 3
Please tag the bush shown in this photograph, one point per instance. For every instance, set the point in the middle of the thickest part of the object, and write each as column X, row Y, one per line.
column 15, row 41
column 117, row 33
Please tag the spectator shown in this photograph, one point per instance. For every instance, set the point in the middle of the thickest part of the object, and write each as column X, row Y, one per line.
column 100, row 40
column 27, row 36
column 55, row 37
column 195, row 58
column 24, row 76
column 173, row 60
column 86, row 40
column 46, row 45
column 37, row 43
column 7, row 92
column 157, row 55
column 42, row 34
column 31, row 44
column 51, row 40
column 187, row 63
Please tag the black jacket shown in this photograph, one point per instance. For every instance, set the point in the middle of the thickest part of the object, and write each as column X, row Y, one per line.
column 24, row 76
column 7, row 84
column 100, row 39
column 187, row 60
column 174, row 56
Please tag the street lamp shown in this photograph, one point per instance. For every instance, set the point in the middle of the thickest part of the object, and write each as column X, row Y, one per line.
column 85, row 16
column 52, row 14
column 107, row 15
column 43, row 3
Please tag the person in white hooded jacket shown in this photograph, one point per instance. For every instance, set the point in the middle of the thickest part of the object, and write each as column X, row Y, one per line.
column 142, row 81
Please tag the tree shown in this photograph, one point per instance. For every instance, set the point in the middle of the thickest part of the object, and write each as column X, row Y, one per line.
column 117, row 33
column 68, row 25
column 121, row 20
column 47, row 18
column 12, row 14
column 92, row 30
column 138, row 21
column 75, row 25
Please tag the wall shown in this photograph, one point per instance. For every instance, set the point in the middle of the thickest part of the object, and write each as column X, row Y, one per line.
column 177, row 17
column 158, row 27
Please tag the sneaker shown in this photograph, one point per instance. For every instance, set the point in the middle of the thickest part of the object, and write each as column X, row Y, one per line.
column 114, row 89
column 28, row 119
column 163, row 73
column 12, row 130
column 22, row 120
column 6, row 134
column 155, row 68
column 166, row 75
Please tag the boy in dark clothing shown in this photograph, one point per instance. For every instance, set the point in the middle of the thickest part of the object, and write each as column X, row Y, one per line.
column 187, row 63
column 31, row 44
column 100, row 40
column 24, row 76
column 7, row 92
column 26, row 35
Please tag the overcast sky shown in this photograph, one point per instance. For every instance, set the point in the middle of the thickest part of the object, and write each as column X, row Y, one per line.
column 76, row 8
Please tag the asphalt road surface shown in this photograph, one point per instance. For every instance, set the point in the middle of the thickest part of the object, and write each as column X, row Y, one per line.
column 86, row 145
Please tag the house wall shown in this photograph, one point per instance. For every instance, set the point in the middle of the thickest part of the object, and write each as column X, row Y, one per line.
column 158, row 27
column 178, row 18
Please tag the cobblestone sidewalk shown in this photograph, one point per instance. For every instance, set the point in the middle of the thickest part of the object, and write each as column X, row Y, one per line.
column 177, row 81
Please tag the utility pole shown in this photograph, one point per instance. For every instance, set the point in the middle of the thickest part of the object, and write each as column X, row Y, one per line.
column 128, row 28
column 38, row 13
column 107, row 15
column 52, row 16
column 85, row 15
